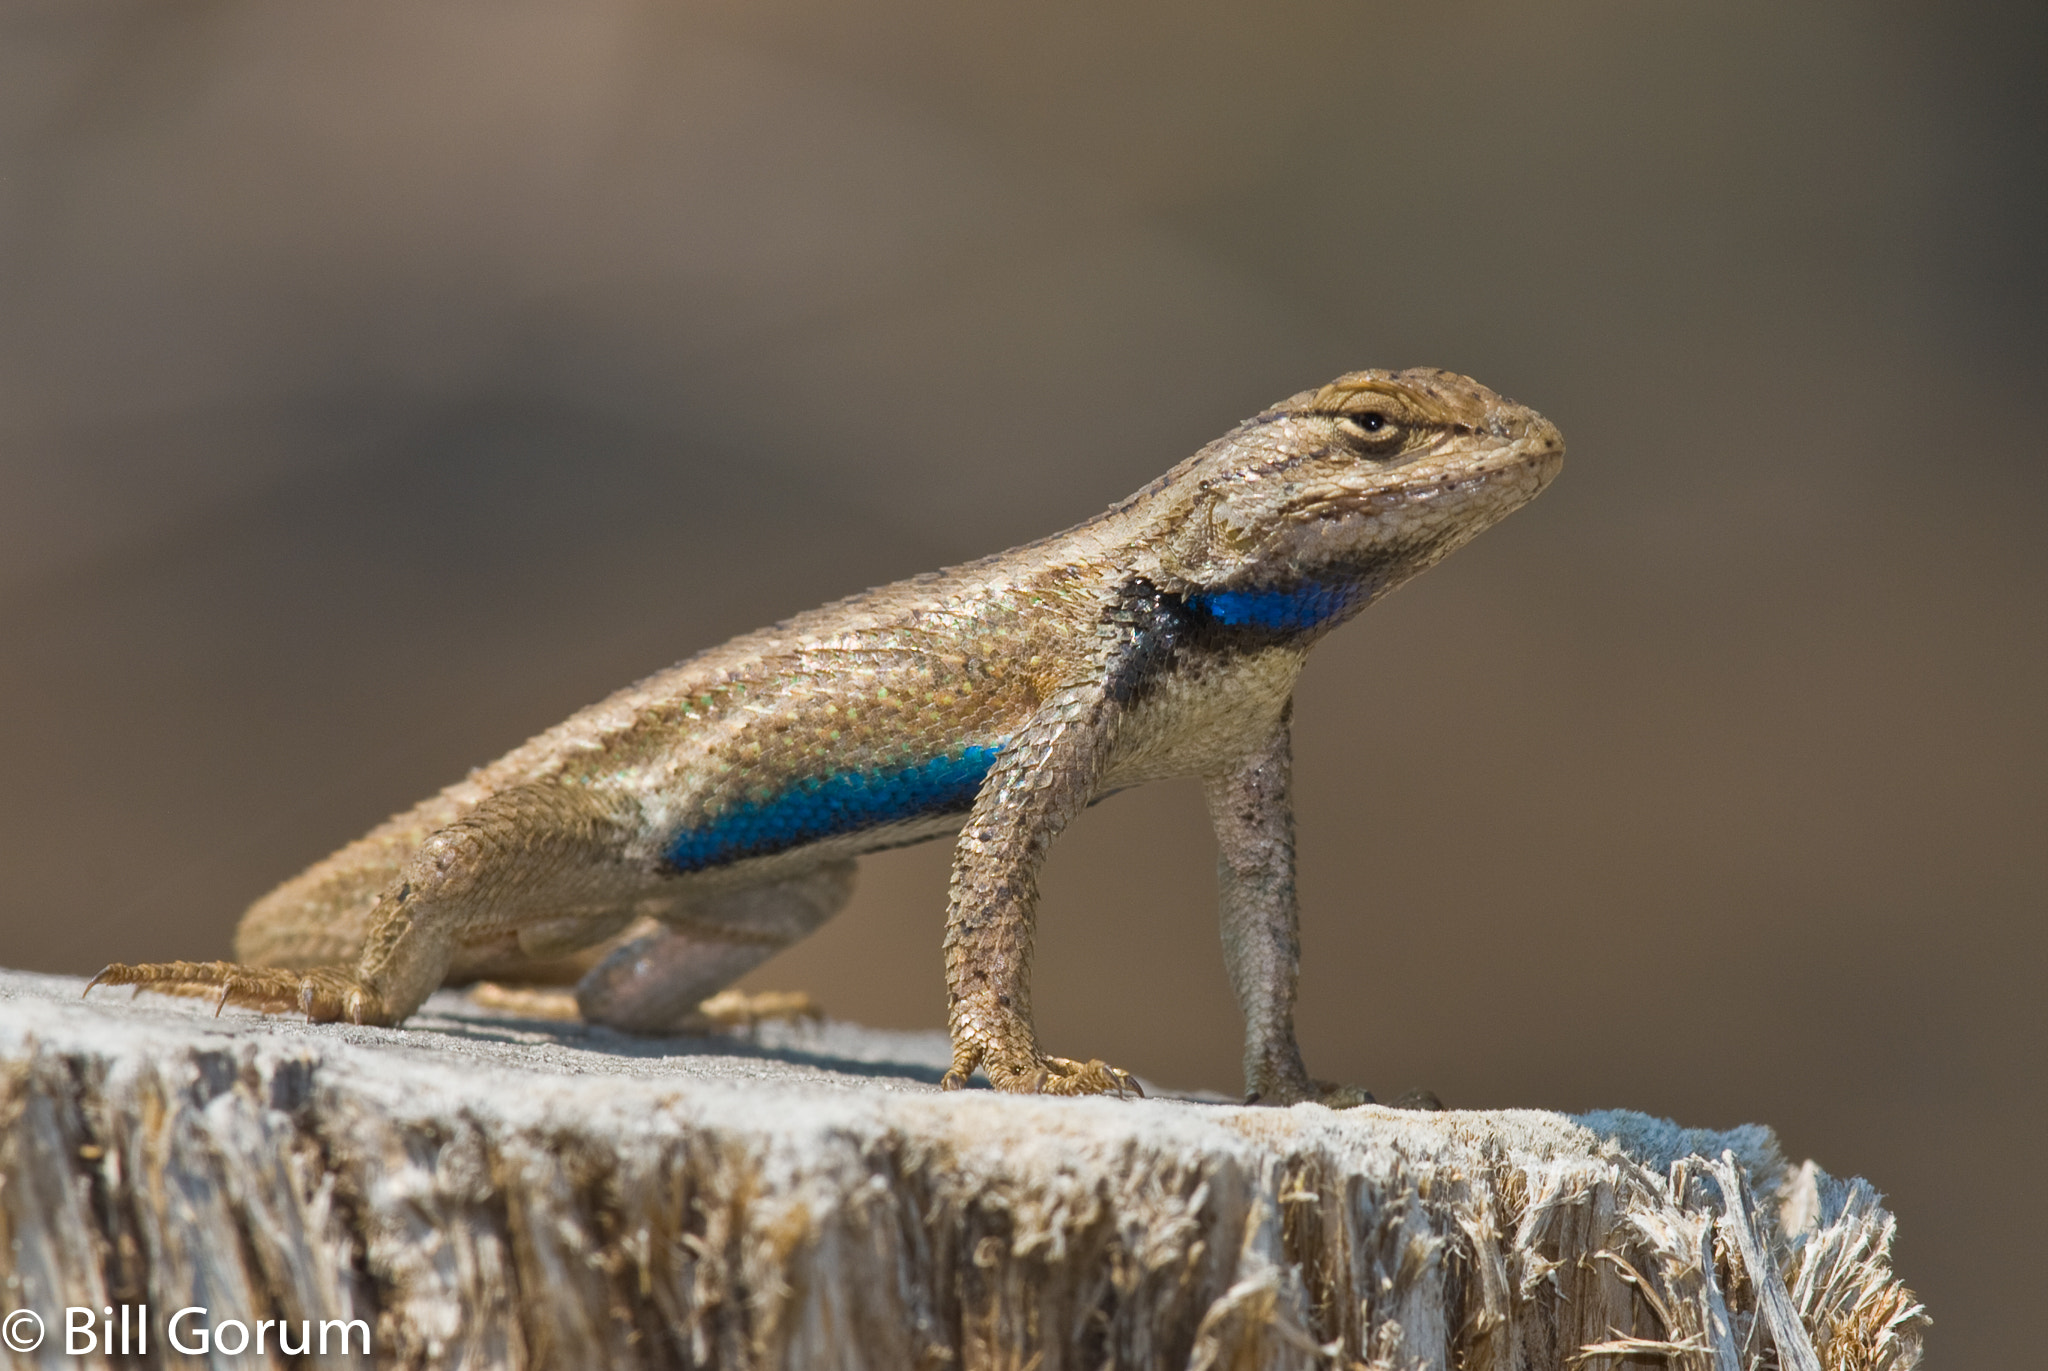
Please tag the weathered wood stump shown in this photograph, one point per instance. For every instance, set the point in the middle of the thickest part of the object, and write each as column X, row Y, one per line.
column 477, row 1190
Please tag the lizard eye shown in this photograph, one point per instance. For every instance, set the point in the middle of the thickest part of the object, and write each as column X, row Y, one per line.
column 1378, row 431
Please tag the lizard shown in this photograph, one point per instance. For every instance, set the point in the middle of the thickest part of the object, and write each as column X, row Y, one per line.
column 677, row 833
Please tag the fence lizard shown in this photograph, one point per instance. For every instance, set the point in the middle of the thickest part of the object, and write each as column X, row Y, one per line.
column 681, row 831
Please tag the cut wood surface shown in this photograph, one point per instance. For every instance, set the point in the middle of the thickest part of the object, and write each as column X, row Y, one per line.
column 481, row 1190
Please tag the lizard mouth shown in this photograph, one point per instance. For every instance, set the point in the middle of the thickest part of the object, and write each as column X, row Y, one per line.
column 1520, row 472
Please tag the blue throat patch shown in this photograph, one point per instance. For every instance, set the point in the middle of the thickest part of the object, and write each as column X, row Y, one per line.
column 840, row 802
column 1300, row 607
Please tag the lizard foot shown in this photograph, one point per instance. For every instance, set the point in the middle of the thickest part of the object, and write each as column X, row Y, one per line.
column 1051, row 1076
column 1418, row 1098
column 323, row 995
column 527, row 1001
column 1334, row 1095
column 1060, row 1076
column 727, row 1010
column 739, row 1009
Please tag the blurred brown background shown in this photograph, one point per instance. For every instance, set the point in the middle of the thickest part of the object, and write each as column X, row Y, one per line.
column 381, row 382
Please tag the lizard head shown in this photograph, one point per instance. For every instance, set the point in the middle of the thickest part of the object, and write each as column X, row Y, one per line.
column 1305, row 513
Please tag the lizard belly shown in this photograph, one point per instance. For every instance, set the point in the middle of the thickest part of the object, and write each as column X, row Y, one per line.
column 1203, row 715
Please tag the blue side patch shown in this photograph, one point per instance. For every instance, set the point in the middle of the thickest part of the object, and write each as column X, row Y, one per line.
column 1297, row 607
column 825, row 806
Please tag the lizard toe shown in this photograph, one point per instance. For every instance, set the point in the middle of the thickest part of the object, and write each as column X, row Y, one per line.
column 1064, row 1076
column 168, row 978
column 730, row 1009
column 327, row 995
column 226, row 982
column 322, row 995
column 967, row 1059
column 265, row 989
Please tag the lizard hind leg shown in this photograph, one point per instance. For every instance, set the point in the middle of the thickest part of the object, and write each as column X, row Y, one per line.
column 657, row 982
column 405, row 952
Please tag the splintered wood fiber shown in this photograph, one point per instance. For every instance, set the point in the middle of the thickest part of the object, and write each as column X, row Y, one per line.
column 486, row 1207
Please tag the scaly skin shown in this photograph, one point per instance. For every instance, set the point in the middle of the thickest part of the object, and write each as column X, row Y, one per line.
column 689, row 826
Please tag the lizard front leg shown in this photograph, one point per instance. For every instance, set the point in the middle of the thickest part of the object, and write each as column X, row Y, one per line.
column 1044, row 776
column 1251, row 807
